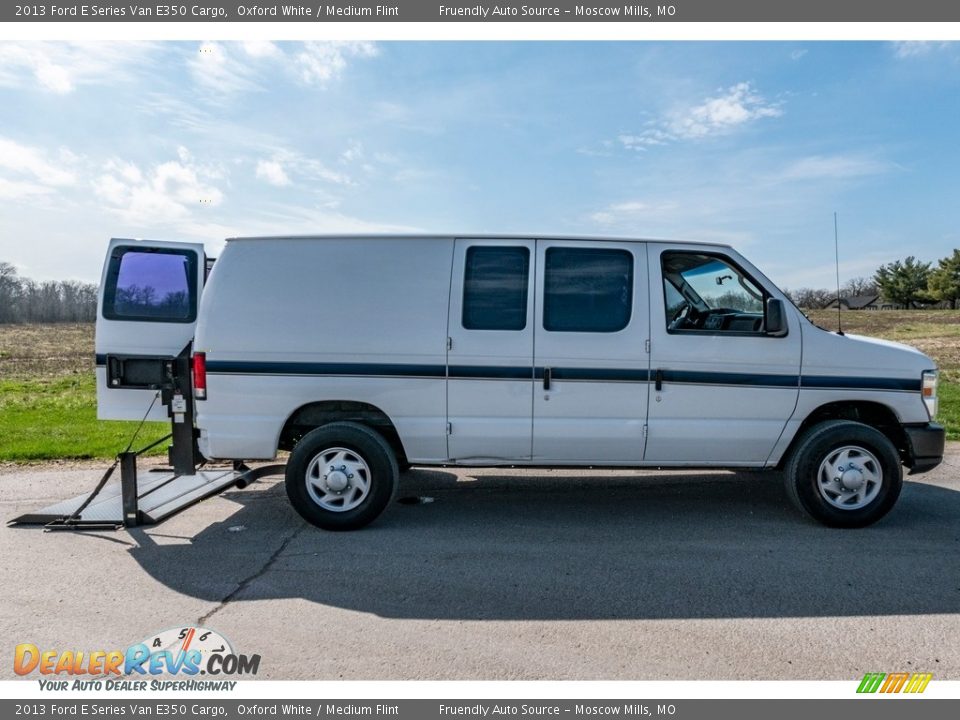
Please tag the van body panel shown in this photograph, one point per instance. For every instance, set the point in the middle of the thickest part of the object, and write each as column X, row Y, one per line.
column 147, row 309
column 490, row 383
column 725, row 398
column 251, row 409
column 594, row 407
column 289, row 321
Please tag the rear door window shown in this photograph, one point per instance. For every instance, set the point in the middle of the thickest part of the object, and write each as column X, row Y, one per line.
column 151, row 285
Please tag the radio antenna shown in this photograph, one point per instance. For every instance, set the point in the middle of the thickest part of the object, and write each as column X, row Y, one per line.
column 836, row 257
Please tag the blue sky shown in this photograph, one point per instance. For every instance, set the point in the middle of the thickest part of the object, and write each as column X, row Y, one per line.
column 751, row 143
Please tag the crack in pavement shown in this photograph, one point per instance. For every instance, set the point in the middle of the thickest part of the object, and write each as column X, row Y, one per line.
column 249, row 580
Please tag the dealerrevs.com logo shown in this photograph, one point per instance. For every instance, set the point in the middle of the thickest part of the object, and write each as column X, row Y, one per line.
column 898, row 682
column 186, row 651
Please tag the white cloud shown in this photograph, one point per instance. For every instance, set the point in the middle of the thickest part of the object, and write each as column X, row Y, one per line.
column 634, row 211
column 217, row 70
column 290, row 163
column 836, row 167
column 168, row 193
column 21, row 190
column 260, row 48
column 797, row 54
column 61, row 67
column 31, row 165
column 353, row 152
column 736, row 106
column 646, row 138
column 915, row 48
column 296, row 219
column 222, row 69
column 272, row 171
column 320, row 62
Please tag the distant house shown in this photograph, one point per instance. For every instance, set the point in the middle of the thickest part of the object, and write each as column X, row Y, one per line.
column 862, row 302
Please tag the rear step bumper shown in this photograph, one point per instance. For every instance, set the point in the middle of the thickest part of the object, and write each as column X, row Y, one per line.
column 159, row 495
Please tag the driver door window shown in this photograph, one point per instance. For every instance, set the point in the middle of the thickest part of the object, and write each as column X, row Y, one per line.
column 706, row 293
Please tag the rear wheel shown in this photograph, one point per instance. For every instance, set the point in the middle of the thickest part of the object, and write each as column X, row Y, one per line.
column 341, row 476
column 844, row 474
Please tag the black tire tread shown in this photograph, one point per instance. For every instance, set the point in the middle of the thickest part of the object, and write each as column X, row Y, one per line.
column 868, row 435
column 372, row 507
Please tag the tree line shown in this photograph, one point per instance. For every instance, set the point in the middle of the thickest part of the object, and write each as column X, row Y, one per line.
column 907, row 283
column 23, row 300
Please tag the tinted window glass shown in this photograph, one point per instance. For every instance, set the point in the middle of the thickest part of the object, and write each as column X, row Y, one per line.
column 495, row 288
column 158, row 286
column 587, row 290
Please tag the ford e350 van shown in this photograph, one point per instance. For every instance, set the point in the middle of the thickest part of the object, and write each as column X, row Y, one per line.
column 365, row 355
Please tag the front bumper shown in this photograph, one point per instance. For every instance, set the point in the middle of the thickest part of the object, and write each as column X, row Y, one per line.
column 925, row 445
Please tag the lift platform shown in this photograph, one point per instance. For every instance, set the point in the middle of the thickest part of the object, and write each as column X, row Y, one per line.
column 159, row 494
column 149, row 497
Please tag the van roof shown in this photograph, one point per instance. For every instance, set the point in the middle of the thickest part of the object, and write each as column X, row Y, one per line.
column 469, row 236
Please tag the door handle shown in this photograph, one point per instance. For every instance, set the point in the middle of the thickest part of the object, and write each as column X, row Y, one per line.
column 547, row 377
column 658, row 380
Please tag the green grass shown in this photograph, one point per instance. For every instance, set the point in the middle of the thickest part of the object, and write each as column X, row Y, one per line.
column 56, row 418
column 949, row 415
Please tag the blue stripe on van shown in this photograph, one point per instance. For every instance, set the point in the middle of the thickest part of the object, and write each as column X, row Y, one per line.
column 493, row 372
column 496, row 372
column 859, row 383
column 728, row 378
column 240, row 367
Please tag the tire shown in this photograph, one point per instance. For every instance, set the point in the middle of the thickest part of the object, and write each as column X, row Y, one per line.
column 844, row 474
column 341, row 476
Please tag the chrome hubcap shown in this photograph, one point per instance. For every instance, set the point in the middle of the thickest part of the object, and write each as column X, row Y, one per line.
column 850, row 477
column 338, row 479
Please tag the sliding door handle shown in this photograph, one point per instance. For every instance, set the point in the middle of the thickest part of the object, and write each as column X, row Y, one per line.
column 547, row 376
column 658, row 380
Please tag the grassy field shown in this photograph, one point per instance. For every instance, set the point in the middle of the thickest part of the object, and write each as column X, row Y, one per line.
column 48, row 398
column 48, row 406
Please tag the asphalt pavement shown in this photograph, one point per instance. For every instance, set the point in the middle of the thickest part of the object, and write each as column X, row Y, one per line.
column 497, row 574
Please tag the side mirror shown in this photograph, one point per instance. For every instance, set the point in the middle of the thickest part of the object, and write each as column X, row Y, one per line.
column 776, row 318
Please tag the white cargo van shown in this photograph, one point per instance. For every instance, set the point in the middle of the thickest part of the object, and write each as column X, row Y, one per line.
column 364, row 355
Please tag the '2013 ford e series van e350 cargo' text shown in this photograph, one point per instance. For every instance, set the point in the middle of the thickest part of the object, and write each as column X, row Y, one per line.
column 364, row 355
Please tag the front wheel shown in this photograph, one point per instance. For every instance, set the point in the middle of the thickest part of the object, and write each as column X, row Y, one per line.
column 844, row 474
column 341, row 476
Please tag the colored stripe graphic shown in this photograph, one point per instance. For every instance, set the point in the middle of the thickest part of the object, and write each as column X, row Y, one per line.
column 871, row 682
column 918, row 682
column 894, row 682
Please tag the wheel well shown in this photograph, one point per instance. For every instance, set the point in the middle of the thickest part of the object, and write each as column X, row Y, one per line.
column 869, row 413
column 313, row 415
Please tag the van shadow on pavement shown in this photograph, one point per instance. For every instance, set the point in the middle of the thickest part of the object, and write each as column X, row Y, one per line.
column 562, row 548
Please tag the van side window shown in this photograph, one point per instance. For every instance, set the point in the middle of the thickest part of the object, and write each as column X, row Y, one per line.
column 495, row 288
column 707, row 293
column 151, row 286
column 587, row 290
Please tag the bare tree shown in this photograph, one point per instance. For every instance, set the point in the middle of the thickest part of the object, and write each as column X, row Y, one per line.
column 812, row 299
column 9, row 292
column 858, row 286
column 24, row 300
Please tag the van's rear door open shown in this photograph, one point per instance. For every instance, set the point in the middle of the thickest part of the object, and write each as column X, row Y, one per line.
column 149, row 296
